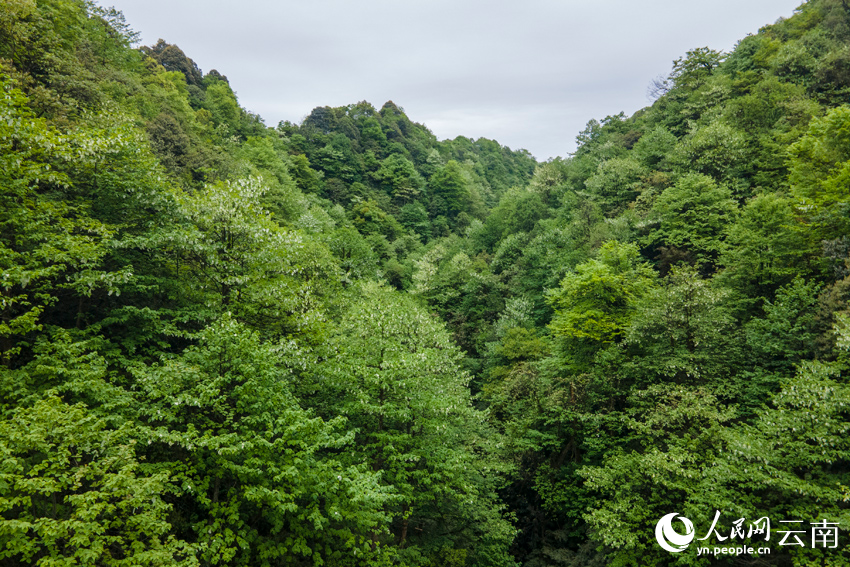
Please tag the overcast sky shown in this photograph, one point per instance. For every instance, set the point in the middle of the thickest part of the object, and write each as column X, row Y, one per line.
column 528, row 74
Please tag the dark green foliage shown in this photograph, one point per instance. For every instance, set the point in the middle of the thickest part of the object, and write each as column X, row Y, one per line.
column 385, row 157
column 172, row 58
column 693, row 70
column 345, row 342
column 414, row 217
column 169, row 141
column 449, row 185
column 653, row 148
column 399, row 179
column 632, row 394
column 685, row 334
column 766, row 248
column 369, row 218
column 353, row 253
column 615, row 183
column 249, row 462
column 52, row 247
column 785, row 336
column 518, row 211
column 172, row 269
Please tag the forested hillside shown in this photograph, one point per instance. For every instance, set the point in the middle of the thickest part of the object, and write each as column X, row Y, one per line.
column 345, row 342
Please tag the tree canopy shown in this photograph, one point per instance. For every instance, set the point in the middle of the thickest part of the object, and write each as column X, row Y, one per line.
column 345, row 342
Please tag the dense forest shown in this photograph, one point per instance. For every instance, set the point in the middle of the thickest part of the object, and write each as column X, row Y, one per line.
column 345, row 342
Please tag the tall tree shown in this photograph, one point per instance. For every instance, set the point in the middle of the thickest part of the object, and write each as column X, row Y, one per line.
column 449, row 184
column 394, row 373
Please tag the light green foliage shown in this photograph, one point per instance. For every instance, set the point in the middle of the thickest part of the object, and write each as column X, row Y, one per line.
column 715, row 150
column 518, row 344
column 789, row 463
column 599, row 139
column 508, row 253
column 241, row 261
column 517, row 313
column 396, row 376
column 540, row 264
column 797, row 61
column 73, row 492
column 693, row 70
column 693, row 215
column 353, row 254
column 426, row 268
column 593, row 305
column 369, row 218
column 262, row 154
column 820, row 173
column 441, row 276
column 792, row 461
column 315, row 219
column 221, row 102
column 462, row 290
column 616, row 183
column 167, row 90
column 371, row 133
column 188, row 141
column 791, row 458
column 337, row 159
column 582, row 216
column 549, row 180
column 14, row 11
column 76, row 369
column 773, row 115
column 637, row 420
column 518, row 211
column 414, row 217
column 236, row 388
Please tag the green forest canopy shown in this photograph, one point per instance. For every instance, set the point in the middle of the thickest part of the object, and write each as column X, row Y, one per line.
column 345, row 342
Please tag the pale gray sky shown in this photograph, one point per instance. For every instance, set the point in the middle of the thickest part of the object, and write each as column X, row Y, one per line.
column 528, row 74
